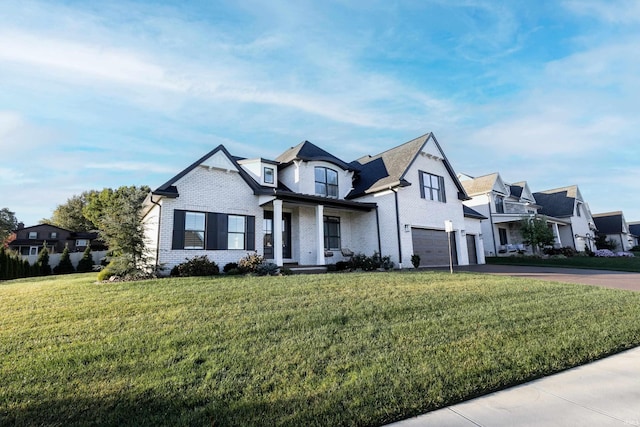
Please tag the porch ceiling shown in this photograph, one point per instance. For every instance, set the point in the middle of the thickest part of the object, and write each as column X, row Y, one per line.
column 515, row 218
column 307, row 199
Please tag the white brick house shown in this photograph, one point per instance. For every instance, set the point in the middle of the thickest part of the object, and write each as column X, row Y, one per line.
column 311, row 208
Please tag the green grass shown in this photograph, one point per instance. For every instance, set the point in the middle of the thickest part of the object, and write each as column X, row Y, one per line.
column 594, row 263
column 340, row 349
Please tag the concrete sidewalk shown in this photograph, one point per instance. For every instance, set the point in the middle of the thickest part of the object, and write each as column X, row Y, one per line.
column 602, row 393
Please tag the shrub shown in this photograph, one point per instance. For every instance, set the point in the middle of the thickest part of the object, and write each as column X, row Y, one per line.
column 370, row 263
column 606, row 253
column 196, row 266
column 267, row 269
column 567, row 251
column 342, row 265
column 85, row 264
column 284, row 271
column 43, row 261
column 121, row 267
column 64, row 266
column 625, row 254
column 415, row 260
column 229, row 267
column 250, row 263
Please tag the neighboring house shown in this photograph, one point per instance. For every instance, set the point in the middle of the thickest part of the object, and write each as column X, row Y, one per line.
column 568, row 204
column 615, row 228
column 505, row 205
column 30, row 240
column 309, row 207
column 634, row 229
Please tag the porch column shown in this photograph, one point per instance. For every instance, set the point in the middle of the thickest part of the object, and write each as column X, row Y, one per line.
column 277, row 232
column 320, row 235
column 557, row 233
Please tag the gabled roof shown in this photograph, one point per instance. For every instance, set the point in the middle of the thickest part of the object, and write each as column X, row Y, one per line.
column 609, row 223
column 168, row 189
column 310, row 152
column 389, row 168
column 558, row 202
column 471, row 213
column 43, row 225
column 485, row 184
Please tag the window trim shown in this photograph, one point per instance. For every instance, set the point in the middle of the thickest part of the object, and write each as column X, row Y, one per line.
column 82, row 240
column 428, row 192
column 268, row 172
column 325, row 183
column 330, row 219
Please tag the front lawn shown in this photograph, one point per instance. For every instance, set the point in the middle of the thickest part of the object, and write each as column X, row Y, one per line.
column 594, row 263
column 333, row 349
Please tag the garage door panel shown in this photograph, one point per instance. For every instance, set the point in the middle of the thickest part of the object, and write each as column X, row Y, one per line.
column 432, row 247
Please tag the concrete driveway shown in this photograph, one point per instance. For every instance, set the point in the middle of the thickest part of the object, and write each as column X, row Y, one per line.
column 609, row 279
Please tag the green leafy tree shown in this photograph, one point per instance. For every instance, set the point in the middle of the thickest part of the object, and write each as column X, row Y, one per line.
column 8, row 223
column 64, row 266
column 85, row 264
column 117, row 213
column 44, row 269
column 536, row 232
column 70, row 215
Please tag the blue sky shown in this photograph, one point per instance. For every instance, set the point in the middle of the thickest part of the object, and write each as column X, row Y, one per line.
column 103, row 94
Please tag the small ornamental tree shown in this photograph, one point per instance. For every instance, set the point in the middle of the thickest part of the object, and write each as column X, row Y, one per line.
column 64, row 266
column 536, row 232
column 43, row 261
column 85, row 264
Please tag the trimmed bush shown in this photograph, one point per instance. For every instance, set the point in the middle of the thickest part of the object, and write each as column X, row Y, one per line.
column 415, row 260
column 44, row 269
column 85, row 264
column 230, row 267
column 250, row 263
column 267, row 269
column 64, row 266
column 196, row 266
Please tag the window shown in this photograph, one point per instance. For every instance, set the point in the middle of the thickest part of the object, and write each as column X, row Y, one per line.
column 33, row 235
column 268, row 175
column 326, row 182
column 82, row 243
column 578, row 205
column 212, row 231
column 194, row 230
column 53, row 235
column 503, row 235
column 33, row 250
column 432, row 187
column 499, row 204
column 236, row 232
column 331, row 233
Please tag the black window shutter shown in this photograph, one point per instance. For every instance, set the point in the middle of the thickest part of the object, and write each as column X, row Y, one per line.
column 222, row 228
column 251, row 233
column 178, row 229
column 421, row 175
column 444, row 196
column 211, row 241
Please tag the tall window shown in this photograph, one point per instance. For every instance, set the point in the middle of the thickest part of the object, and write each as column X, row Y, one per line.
column 499, row 204
column 194, row 230
column 236, row 232
column 326, row 182
column 268, row 175
column 578, row 206
column 331, row 233
column 432, row 187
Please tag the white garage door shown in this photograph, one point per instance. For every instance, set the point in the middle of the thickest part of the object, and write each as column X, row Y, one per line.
column 432, row 247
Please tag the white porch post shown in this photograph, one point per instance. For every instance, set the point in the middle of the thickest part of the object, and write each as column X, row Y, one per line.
column 277, row 232
column 320, row 235
column 557, row 233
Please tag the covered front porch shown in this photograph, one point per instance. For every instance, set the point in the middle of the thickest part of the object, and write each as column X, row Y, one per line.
column 315, row 231
column 508, row 238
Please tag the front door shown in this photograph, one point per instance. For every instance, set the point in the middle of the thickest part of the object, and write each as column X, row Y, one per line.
column 267, row 229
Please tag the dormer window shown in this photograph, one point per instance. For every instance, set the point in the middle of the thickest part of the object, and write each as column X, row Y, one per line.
column 268, row 175
column 33, row 235
column 326, row 182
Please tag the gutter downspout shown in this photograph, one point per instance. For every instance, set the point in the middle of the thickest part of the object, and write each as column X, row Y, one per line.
column 378, row 226
column 395, row 192
column 493, row 231
column 158, row 239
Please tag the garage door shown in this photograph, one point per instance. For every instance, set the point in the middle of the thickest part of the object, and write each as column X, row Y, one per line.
column 471, row 248
column 432, row 247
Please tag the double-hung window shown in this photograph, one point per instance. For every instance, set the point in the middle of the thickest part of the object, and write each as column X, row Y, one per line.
column 432, row 187
column 194, row 228
column 499, row 204
column 268, row 175
column 331, row 233
column 326, row 182
column 236, row 232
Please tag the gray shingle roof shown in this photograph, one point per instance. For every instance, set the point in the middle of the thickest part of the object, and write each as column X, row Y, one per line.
column 558, row 202
column 471, row 213
column 308, row 151
column 609, row 223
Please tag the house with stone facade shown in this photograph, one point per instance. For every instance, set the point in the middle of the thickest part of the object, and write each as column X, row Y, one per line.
column 308, row 207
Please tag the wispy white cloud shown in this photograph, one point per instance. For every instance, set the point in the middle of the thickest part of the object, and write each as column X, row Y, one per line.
column 610, row 11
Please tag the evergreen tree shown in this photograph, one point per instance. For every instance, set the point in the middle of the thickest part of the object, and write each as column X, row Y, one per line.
column 3, row 263
column 64, row 266
column 85, row 264
column 43, row 261
column 27, row 268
